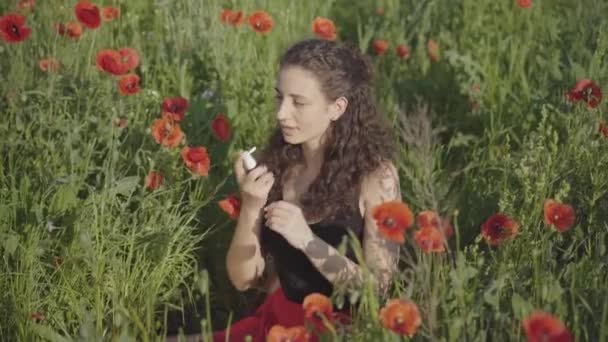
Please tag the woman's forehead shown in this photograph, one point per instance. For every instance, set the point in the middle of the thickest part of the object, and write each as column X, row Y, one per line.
column 293, row 80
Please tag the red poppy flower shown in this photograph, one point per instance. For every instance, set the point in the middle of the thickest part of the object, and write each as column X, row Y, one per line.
column 261, row 21
column 401, row 316
column 128, row 84
column 403, row 51
column 543, row 327
column 74, row 30
column 559, row 215
column 175, row 107
column 166, row 132
column 225, row 15
column 380, row 11
column 110, row 62
column 129, row 58
column 49, row 64
column 433, row 50
column 26, row 5
column 393, row 219
column 380, row 46
column 221, row 127
column 324, row 28
column 153, row 180
column 88, row 14
column 234, row 18
column 110, row 13
column 586, row 90
column 231, row 206
column 197, row 160
column 318, row 308
column 498, row 228
column 604, row 130
column 12, row 29
column 279, row 333
column 430, row 239
column 524, row 3
column 427, row 218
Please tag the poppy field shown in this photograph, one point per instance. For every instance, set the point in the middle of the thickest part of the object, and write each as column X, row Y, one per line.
column 121, row 121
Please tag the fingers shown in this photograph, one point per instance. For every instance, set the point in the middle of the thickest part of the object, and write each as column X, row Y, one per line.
column 257, row 172
column 239, row 168
column 278, row 214
column 276, row 223
column 266, row 180
column 283, row 205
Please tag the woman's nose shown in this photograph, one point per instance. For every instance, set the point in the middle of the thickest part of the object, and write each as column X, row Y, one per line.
column 283, row 111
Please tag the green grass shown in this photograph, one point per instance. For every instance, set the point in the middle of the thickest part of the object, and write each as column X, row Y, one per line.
column 71, row 183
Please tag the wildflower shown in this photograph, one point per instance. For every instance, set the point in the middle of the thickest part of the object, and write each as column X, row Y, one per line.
column 88, row 14
column 197, row 160
column 430, row 239
column 49, row 64
column 393, row 219
column 110, row 13
column 129, row 84
column 324, row 28
column 153, row 180
column 231, row 206
column 380, row 46
column 166, row 132
column 524, row 3
column 498, row 228
column 221, row 127
column 401, row 316
column 279, row 333
column 261, row 22
column 403, row 52
column 586, row 90
column 176, row 107
column 559, row 215
column 543, row 327
column 12, row 28
column 317, row 309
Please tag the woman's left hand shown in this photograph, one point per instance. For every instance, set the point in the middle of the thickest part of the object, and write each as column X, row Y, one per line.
column 288, row 220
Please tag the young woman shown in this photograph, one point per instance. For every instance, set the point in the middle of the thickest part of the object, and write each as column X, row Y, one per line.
column 327, row 165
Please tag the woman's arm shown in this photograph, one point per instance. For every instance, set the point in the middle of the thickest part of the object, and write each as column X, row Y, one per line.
column 380, row 254
column 244, row 260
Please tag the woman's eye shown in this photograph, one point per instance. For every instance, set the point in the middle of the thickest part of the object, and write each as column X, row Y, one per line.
column 298, row 103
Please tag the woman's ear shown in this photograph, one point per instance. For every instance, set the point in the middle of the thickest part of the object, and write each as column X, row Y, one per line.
column 338, row 107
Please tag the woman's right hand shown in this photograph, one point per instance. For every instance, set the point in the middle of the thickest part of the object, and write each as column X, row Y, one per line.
column 254, row 186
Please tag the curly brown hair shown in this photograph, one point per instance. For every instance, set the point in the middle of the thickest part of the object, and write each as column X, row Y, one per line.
column 356, row 144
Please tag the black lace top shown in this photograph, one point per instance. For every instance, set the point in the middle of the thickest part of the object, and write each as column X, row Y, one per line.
column 298, row 276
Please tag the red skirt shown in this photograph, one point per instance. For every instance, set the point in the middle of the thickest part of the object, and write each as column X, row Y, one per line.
column 276, row 309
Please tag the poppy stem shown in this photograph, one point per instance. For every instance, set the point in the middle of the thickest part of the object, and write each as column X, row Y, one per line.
column 88, row 70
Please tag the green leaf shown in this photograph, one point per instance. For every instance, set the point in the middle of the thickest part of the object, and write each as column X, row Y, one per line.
column 521, row 307
column 48, row 334
column 125, row 186
column 10, row 242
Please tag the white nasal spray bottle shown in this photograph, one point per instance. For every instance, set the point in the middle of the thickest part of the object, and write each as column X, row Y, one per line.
column 248, row 161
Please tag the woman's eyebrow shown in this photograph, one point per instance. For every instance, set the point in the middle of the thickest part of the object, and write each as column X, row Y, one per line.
column 302, row 97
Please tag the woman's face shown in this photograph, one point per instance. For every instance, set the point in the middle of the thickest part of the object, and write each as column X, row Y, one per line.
column 303, row 112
